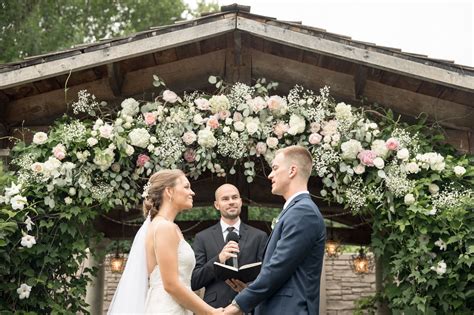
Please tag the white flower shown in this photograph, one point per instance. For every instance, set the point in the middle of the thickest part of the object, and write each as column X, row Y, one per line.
column 28, row 241
column 277, row 105
column 59, row 151
column 440, row 268
column 315, row 127
column 329, row 128
column 272, row 142
column 92, row 141
column 252, row 125
column 130, row 107
column 23, row 291
column 18, row 202
column 12, row 190
column 170, row 96
column 261, row 148
column 343, row 111
column 51, row 167
column 441, row 244
column 403, row 154
column 206, row 138
column 379, row 147
column 106, row 131
column 28, row 222
column 40, row 137
column 239, row 126
column 153, row 139
column 297, row 125
column 219, row 103
column 350, row 149
column 432, row 211
column 202, row 104
column 433, row 188
column 68, row 200
column 459, row 170
column 315, row 138
column 37, row 167
column 129, row 150
column 226, row 129
column 379, row 163
column 359, row 169
column 409, row 199
column 189, row 137
column 139, row 137
column 412, row 168
column 72, row 191
column 432, row 160
column 197, row 119
column 257, row 104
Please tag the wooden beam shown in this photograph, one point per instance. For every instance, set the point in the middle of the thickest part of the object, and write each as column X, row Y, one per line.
column 359, row 81
column 238, row 58
column 115, row 76
column 355, row 54
column 117, row 52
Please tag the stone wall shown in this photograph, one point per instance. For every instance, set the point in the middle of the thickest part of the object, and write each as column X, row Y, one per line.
column 340, row 285
column 343, row 286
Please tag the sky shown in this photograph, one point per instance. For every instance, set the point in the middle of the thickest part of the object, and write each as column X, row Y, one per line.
column 438, row 28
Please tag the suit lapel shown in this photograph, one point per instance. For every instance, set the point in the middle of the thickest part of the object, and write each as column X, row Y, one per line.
column 218, row 236
column 243, row 233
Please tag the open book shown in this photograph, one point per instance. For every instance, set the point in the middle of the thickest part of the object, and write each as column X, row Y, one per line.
column 245, row 273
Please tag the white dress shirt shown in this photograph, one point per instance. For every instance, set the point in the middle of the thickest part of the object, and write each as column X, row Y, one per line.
column 224, row 227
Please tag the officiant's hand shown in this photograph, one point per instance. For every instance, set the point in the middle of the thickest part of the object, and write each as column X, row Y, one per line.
column 230, row 250
column 236, row 284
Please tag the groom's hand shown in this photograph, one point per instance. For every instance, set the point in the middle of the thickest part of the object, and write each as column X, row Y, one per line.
column 232, row 310
column 230, row 250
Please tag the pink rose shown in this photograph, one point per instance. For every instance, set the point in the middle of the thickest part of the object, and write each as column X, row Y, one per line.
column 142, row 160
column 367, row 157
column 315, row 138
column 59, row 151
column 170, row 96
column 261, row 148
column 237, row 116
column 150, row 118
column 213, row 123
column 280, row 128
column 224, row 114
column 315, row 127
column 189, row 155
column 202, row 103
column 392, row 144
column 275, row 103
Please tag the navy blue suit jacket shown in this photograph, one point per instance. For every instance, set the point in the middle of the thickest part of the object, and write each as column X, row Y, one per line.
column 290, row 277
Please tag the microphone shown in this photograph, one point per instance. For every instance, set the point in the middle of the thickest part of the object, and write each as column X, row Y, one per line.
column 232, row 236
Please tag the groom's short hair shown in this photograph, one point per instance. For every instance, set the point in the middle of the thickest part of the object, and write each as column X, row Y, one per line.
column 300, row 156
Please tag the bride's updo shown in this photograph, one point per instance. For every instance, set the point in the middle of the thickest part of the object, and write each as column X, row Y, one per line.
column 156, row 187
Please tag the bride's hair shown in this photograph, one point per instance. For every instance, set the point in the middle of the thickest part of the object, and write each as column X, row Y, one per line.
column 156, row 187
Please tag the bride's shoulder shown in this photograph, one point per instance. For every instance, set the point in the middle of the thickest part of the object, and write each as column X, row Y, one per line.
column 163, row 227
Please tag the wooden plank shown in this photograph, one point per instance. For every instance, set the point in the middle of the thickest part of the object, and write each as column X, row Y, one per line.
column 188, row 50
column 115, row 76
column 29, row 109
column 358, row 55
column 238, row 58
column 448, row 114
column 460, row 139
column 118, row 52
column 165, row 56
column 184, row 74
column 359, row 81
column 289, row 72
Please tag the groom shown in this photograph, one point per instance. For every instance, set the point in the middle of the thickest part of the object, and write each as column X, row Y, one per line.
column 289, row 280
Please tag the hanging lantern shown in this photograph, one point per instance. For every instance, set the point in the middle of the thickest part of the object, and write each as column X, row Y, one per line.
column 333, row 248
column 117, row 263
column 361, row 263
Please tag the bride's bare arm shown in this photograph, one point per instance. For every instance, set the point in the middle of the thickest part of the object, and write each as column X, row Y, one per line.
column 166, row 249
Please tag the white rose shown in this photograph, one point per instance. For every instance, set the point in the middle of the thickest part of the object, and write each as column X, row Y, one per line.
column 130, row 107
column 459, row 170
column 403, row 154
column 129, row 150
column 197, row 119
column 189, row 137
column 380, row 148
column 170, row 96
column 379, row 163
column 72, row 191
column 412, row 168
column 239, row 126
column 92, row 142
column 226, row 129
column 272, row 142
column 228, row 121
column 359, row 169
column 433, row 188
column 139, row 137
column 234, row 135
column 252, row 125
column 106, row 131
column 40, row 138
column 297, row 125
column 409, row 199
column 28, row 241
column 153, row 139
column 37, row 167
column 68, row 200
column 202, row 104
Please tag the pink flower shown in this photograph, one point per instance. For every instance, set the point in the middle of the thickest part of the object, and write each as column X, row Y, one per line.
column 59, row 151
column 224, row 114
column 142, row 160
column 237, row 116
column 213, row 123
column 315, row 138
column 170, row 96
column 261, row 148
column 150, row 118
column 189, row 155
column 202, row 103
column 392, row 144
column 367, row 157
column 280, row 128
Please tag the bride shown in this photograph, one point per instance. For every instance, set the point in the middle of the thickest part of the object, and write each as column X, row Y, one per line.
column 157, row 277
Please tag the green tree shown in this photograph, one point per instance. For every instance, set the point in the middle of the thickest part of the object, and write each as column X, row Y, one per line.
column 32, row 27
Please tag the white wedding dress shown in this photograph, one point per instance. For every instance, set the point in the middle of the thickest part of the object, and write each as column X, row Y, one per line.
column 158, row 301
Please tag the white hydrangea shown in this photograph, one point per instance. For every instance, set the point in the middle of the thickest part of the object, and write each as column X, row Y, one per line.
column 206, row 138
column 343, row 111
column 139, row 137
column 219, row 103
column 130, row 107
column 350, row 149
column 297, row 124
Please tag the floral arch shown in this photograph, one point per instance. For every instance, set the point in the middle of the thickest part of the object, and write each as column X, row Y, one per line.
column 419, row 191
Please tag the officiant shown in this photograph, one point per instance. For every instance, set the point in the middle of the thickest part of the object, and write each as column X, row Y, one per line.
column 213, row 245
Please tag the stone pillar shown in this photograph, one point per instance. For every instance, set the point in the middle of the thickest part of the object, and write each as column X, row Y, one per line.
column 322, row 290
column 95, row 288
